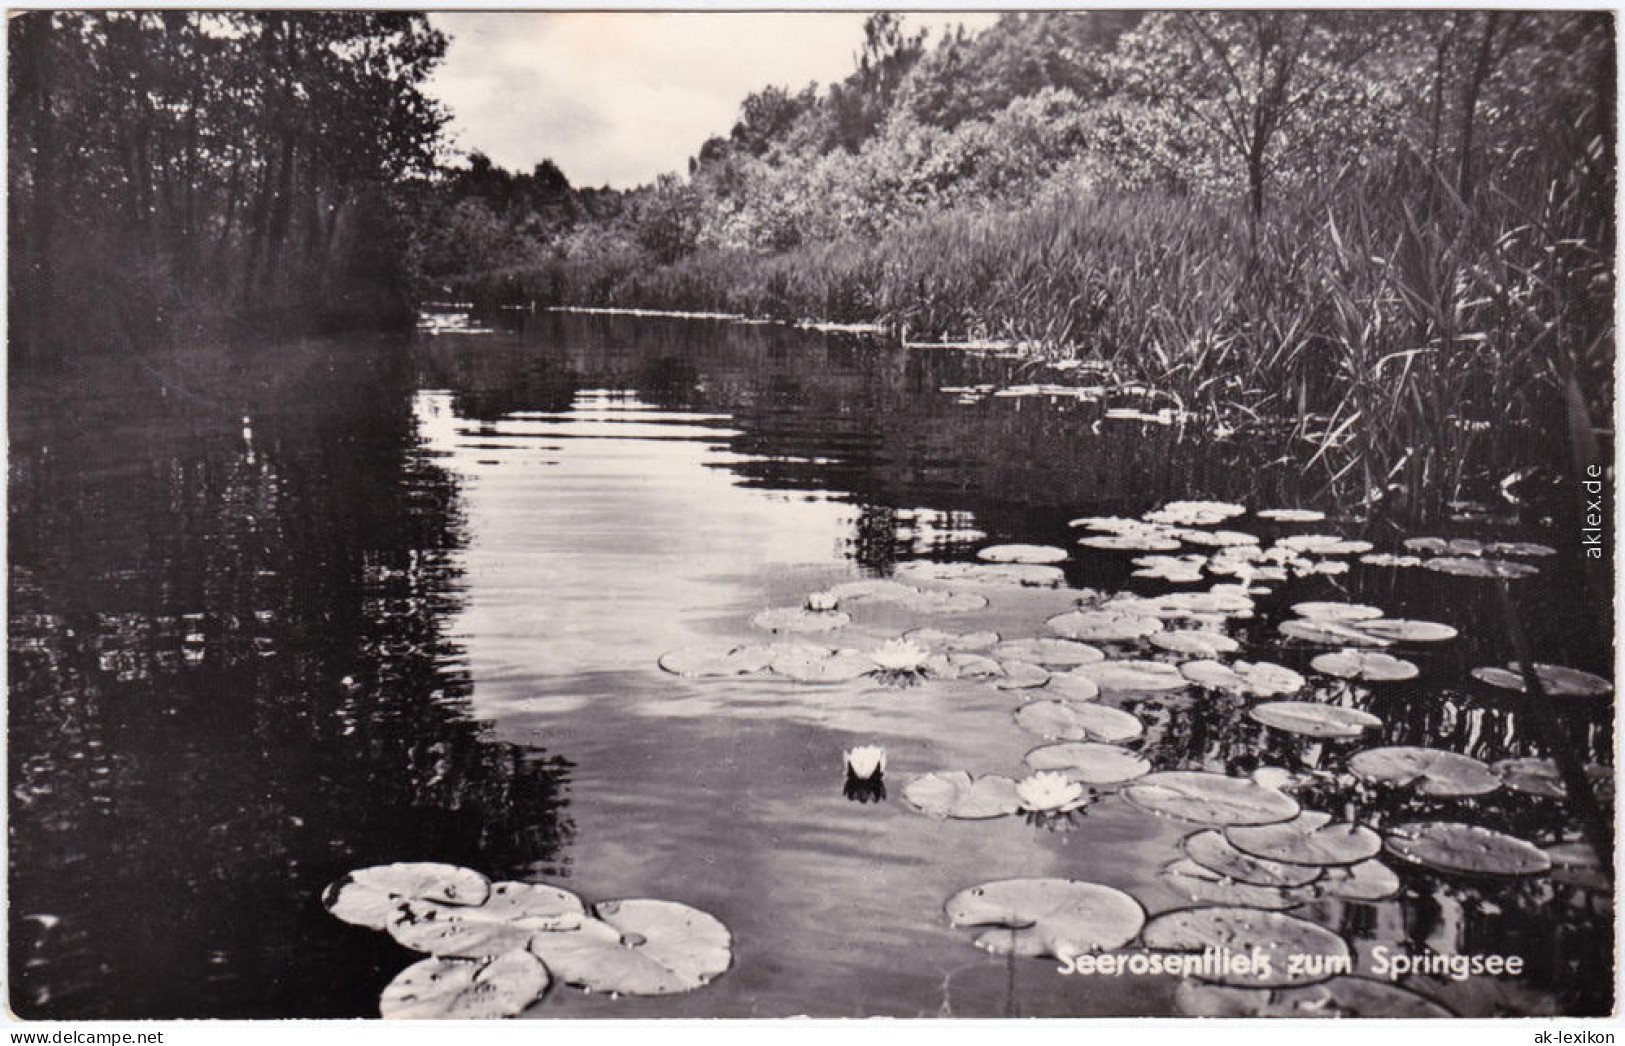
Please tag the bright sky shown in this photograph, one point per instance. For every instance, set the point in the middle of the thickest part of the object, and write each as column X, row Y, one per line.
column 618, row 98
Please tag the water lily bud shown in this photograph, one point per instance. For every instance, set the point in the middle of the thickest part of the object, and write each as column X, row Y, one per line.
column 866, row 761
column 822, row 601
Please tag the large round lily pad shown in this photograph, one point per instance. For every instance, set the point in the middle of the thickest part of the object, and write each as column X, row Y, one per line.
column 1261, row 679
column 1427, row 771
column 1197, row 644
column 1020, row 675
column 1310, row 838
column 1291, row 515
column 1283, row 951
column 1462, row 566
column 1069, row 687
column 1371, row 666
column 371, row 897
column 1217, row 538
column 1405, row 630
column 1148, row 540
column 1194, row 513
column 639, row 947
column 1365, row 881
column 934, row 602
column 800, row 619
column 954, row 793
column 1103, row 626
column 961, row 665
column 1464, row 849
column 1068, row 721
column 1177, row 569
column 1049, row 652
column 1089, row 762
column 1330, row 633
column 1022, row 554
column 1198, row 883
column 1344, row 612
column 1210, row 849
column 465, row 989
column 1312, row 719
column 722, row 659
column 1556, row 680
column 1053, row 917
column 806, row 663
column 963, row 642
column 1030, row 575
column 1325, row 545
column 1132, row 676
column 1576, row 864
column 1212, row 799
column 869, row 590
column 503, row 923
column 1339, row 997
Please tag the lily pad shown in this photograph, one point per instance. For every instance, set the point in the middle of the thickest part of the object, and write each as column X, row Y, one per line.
column 1067, row 721
column 1260, row 679
column 1216, row 538
column 371, row 897
column 1132, row 676
column 1103, row 626
column 508, row 918
column 1467, row 567
column 1047, row 917
column 1427, row 771
column 957, row 665
column 1088, row 762
column 639, row 947
column 1324, row 545
column 717, row 660
column 1140, row 541
column 1022, row 554
column 1285, row 951
column 1388, row 559
column 1310, row 838
column 1197, row 883
column 1020, row 675
column 1029, row 575
column 1330, row 633
column 1194, row 513
column 1444, row 546
column 1364, row 881
column 1046, row 792
column 1291, row 515
column 1345, row 996
column 922, row 602
column 465, row 989
column 1404, row 630
column 1312, row 719
column 1344, row 612
column 1371, row 666
column 1045, row 651
column 1556, row 680
column 1199, row 644
column 1464, row 849
column 937, row 639
column 1212, row 799
column 1177, row 569
column 954, row 793
column 1069, row 687
column 1519, row 548
column 1210, row 849
column 806, row 663
column 869, row 590
column 1541, row 777
column 801, row 619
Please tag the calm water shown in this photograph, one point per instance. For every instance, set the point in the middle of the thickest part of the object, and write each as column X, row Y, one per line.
column 277, row 615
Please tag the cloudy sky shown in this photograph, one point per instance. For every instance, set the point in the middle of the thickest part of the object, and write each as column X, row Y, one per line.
column 618, row 98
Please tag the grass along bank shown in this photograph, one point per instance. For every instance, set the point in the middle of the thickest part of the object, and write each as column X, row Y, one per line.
column 1404, row 339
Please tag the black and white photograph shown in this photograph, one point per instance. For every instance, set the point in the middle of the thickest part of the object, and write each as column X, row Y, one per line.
column 683, row 513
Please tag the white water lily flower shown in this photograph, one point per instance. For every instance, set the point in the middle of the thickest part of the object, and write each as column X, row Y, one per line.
column 900, row 655
column 1046, row 791
column 866, row 761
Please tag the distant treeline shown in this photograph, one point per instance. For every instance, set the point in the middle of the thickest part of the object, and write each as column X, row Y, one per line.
column 1392, row 231
column 174, row 170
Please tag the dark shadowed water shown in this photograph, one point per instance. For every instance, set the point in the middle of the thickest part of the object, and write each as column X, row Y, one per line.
column 277, row 614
